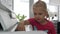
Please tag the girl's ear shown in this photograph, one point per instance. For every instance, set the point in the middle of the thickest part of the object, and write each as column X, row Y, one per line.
column 46, row 15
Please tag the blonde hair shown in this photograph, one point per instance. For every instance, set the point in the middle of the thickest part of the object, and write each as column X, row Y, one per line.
column 42, row 5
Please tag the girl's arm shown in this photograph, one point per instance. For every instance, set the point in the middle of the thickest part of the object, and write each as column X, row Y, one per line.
column 21, row 25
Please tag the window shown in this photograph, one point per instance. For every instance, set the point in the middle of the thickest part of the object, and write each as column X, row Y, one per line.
column 21, row 7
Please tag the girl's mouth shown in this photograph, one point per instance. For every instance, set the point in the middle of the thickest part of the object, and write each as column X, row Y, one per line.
column 38, row 19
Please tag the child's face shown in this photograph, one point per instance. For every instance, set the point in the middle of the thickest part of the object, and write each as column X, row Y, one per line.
column 39, row 14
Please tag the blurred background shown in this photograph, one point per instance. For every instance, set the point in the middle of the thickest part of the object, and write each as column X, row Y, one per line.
column 10, row 8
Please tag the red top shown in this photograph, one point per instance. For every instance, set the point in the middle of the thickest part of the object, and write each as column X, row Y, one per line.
column 49, row 27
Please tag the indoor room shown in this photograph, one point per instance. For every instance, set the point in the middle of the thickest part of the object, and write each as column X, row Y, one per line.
column 12, row 12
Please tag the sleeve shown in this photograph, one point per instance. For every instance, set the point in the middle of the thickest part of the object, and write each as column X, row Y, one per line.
column 31, row 20
column 53, row 30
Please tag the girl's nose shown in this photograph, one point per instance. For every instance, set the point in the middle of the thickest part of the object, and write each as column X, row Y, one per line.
column 37, row 16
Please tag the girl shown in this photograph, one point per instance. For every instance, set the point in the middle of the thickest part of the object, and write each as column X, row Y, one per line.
column 39, row 20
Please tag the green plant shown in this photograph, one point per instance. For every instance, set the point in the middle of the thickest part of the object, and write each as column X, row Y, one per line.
column 20, row 18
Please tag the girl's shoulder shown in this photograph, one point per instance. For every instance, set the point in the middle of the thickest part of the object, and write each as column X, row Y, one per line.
column 50, row 23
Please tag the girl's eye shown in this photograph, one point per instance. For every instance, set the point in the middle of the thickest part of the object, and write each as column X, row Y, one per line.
column 35, row 14
column 40, row 13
